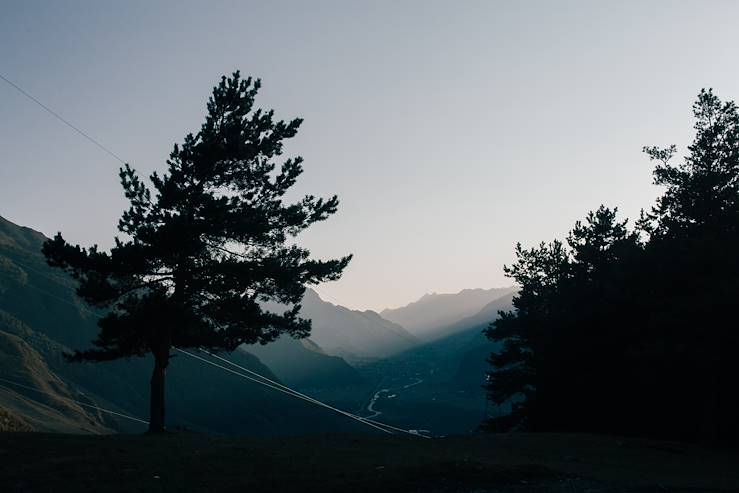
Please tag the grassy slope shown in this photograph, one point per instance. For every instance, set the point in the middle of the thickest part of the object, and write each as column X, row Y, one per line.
column 514, row 462
column 50, row 408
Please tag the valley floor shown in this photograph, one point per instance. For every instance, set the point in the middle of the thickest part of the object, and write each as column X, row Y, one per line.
column 36, row 462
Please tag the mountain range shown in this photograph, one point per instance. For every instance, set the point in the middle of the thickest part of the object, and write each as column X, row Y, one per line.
column 41, row 318
column 439, row 364
column 355, row 335
column 430, row 315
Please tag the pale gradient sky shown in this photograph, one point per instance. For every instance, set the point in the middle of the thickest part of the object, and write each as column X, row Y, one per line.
column 449, row 130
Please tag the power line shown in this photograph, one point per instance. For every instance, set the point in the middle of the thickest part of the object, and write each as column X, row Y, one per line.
column 115, row 156
column 294, row 394
column 267, row 381
column 62, row 119
column 271, row 384
column 333, row 301
column 79, row 307
column 215, row 355
column 96, row 407
column 311, row 399
column 25, row 397
column 41, row 273
column 111, row 153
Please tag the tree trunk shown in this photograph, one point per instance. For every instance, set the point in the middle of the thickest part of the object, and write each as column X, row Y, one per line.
column 156, row 410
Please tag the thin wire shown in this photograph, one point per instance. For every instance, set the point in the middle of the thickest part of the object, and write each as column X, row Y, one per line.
column 279, row 389
column 52, row 295
column 272, row 384
column 57, row 281
column 60, row 118
column 59, row 298
column 79, row 307
column 54, row 279
column 111, row 153
column 31, row 399
column 96, row 407
column 299, row 394
column 289, row 392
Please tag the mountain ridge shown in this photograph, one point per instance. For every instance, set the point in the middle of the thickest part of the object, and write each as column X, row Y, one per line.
column 352, row 334
column 435, row 311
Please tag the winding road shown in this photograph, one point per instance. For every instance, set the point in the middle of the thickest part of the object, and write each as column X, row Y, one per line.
column 371, row 405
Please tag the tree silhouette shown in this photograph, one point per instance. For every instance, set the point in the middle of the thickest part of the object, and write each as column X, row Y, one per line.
column 634, row 332
column 560, row 323
column 204, row 253
column 701, row 193
column 691, row 270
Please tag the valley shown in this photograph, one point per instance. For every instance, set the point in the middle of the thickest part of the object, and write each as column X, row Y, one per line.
column 431, row 247
column 356, row 361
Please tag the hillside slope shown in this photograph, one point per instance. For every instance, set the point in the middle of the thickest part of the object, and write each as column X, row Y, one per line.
column 43, row 401
column 38, row 305
column 302, row 364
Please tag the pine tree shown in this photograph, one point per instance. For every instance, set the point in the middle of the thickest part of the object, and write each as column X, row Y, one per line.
column 618, row 335
column 693, row 272
column 702, row 192
column 562, row 319
column 202, row 255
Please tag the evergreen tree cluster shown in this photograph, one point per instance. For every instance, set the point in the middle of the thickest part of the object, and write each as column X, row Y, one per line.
column 634, row 331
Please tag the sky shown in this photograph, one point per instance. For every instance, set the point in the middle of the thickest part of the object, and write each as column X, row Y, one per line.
column 449, row 130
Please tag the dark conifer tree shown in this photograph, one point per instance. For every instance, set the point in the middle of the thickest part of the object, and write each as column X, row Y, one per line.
column 560, row 323
column 702, row 192
column 205, row 251
column 692, row 272
column 614, row 334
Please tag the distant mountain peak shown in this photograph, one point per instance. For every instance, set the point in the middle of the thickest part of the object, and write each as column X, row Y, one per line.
column 435, row 310
column 355, row 334
column 14, row 235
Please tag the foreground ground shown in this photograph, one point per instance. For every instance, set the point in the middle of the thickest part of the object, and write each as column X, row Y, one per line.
column 33, row 462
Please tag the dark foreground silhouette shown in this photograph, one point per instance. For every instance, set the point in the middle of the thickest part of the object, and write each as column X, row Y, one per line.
column 206, row 247
column 485, row 463
column 633, row 331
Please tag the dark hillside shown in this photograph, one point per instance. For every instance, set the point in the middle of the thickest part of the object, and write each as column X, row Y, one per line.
column 303, row 364
column 39, row 306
